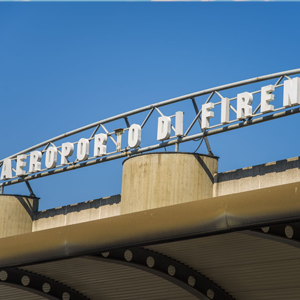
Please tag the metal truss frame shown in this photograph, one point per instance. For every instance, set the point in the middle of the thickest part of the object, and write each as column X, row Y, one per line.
column 174, row 140
column 167, row 268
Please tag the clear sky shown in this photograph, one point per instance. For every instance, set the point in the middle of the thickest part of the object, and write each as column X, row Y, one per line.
column 65, row 65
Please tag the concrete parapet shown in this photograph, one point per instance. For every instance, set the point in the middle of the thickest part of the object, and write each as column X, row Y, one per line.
column 149, row 181
column 257, row 177
column 16, row 214
column 77, row 213
column 162, row 179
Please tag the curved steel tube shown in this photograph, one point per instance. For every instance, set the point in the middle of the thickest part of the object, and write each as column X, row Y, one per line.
column 150, row 148
column 166, row 102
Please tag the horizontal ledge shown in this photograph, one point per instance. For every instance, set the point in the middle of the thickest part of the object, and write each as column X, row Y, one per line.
column 247, row 210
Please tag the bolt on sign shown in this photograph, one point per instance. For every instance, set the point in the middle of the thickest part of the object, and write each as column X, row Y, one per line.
column 46, row 158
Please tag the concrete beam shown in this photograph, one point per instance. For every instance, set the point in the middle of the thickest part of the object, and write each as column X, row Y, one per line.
column 257, row 177
column 77, row 213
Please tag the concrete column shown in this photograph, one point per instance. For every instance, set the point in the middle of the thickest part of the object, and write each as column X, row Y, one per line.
column 162, row 179
column 16, row 214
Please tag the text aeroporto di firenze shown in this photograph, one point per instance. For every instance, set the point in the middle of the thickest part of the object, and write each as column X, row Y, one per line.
column 291, row 97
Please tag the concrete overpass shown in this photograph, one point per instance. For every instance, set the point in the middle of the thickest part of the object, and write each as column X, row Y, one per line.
column 179, row 230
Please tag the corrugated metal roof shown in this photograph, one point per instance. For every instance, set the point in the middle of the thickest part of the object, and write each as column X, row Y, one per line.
column 247, row 267
column 106, row 280
column 12, row 293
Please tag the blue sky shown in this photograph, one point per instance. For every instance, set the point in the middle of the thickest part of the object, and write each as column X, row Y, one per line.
column 65, row 65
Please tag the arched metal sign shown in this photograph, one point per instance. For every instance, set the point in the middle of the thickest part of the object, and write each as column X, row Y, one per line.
column 223, row 108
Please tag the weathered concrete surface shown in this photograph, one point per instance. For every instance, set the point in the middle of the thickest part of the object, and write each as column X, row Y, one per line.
column 161, row 179
column 151, row 181
column 16, row 214
column 77, row 213
column 257, row 177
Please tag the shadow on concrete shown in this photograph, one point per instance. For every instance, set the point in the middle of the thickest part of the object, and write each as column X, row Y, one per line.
column 31, row 208
column 205, row 168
